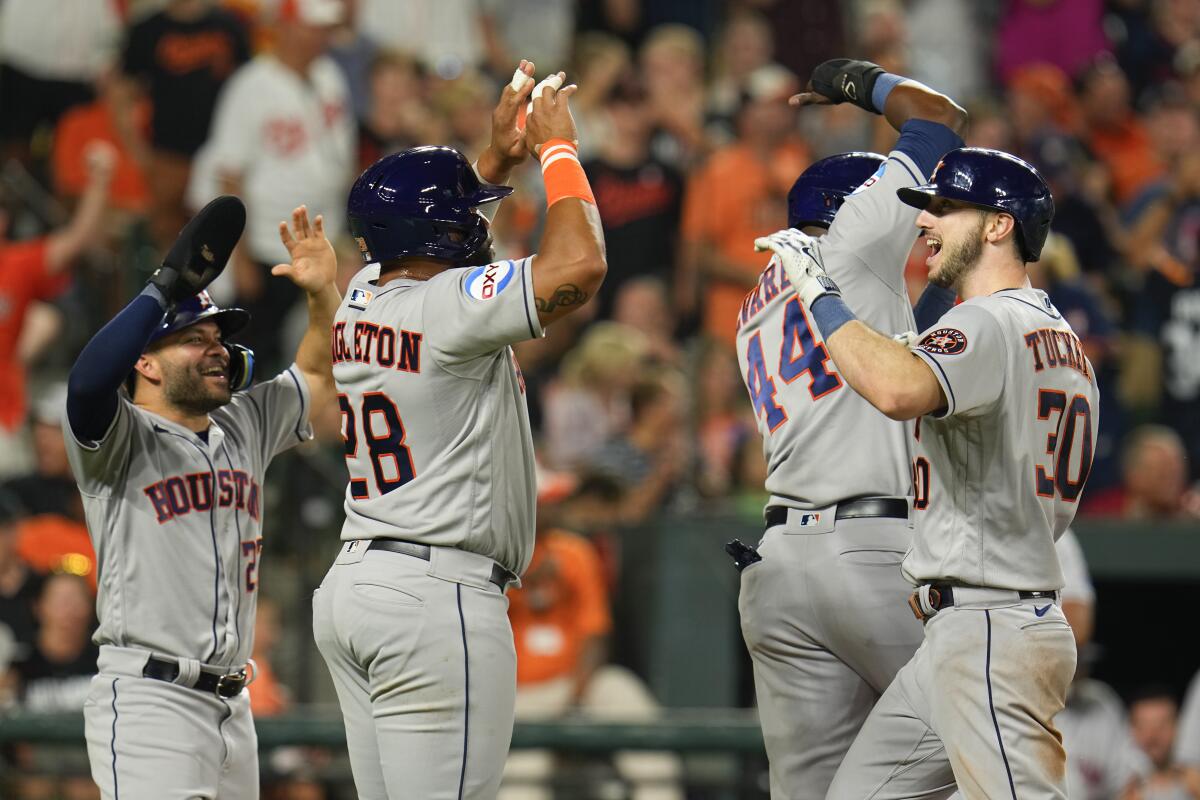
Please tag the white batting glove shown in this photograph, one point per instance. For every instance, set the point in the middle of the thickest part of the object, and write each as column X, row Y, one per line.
column 908, row 339
column 801, row 259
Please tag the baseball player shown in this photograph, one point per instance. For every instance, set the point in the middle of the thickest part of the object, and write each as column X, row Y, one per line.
column 1006, row 407
column 171, row 474
column 823, row 608
column 412, row 618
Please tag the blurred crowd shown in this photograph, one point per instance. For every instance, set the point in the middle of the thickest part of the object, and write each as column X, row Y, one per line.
column 119, row 118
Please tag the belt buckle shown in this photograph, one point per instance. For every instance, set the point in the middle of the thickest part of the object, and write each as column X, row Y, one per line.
column 225, row 682
column 924, row 602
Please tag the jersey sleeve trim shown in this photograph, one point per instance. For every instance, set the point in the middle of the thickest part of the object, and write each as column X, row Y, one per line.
column 907, row 168
column 301, row 389
column 925, row 142
column 944, row 380
column 531, row 315
column 93, row 445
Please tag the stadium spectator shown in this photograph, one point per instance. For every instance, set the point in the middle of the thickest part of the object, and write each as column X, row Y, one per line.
column 649, row 458
column 1102, row 758
column 639, row 196
column 746, row 43
column 51, row 51
column 1154, row 717
column 724, row 422
column 38, row 269
column 600, row 63
column 398, row 115
column 531, row 29
column 588, row 403
column 561, row 621
column 20, row 587
column 178, row 58
column 283, row 130
column 737, row 196
column 644, row 304
column 446, row 36
column 1114, row 132
column 1155, row 487
column 671, row 64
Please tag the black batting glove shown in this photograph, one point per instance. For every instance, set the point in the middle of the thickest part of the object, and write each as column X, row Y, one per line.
column 201, row 250
column 844, row 80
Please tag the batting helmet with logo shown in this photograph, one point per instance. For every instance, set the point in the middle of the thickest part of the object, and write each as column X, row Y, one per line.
column 821, row 189
column 230, row 320
column 997, row 181
column 421, row 202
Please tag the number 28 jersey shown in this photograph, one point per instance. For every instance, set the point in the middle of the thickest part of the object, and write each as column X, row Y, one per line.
column 434, row 419
column 999, row 472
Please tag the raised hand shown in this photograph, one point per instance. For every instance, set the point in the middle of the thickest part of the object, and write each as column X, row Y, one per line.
column 314, row 261
column 800, row 256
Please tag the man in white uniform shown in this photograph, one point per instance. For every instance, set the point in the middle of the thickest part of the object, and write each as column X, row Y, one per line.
column 1006, row 408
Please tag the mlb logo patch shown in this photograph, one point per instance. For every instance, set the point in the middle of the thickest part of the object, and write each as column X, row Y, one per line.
column 354, row 545
column 808, row 519
column 360, row 296
column 484, row 283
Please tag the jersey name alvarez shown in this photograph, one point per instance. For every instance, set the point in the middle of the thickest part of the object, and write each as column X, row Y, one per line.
column 772, row 283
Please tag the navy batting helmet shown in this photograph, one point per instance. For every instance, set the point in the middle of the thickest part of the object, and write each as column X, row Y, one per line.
column 230, row 320
column 999, row 181
column 421, row 202
column 821, row 189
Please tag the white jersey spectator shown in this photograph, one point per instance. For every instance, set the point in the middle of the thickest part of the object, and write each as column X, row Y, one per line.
column 444, row 34
column 62, row 40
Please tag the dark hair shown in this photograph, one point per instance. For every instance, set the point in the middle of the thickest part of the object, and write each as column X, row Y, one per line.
column 1154, row 691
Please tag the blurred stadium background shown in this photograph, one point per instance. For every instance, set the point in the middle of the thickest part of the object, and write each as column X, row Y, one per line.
column 633, row 680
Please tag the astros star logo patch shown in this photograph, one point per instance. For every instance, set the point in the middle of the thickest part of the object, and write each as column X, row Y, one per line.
column 944, row 342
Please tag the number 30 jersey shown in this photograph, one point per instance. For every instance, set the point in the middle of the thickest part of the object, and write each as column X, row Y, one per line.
column 436, row 428
column 999, row 472
column 823, row 442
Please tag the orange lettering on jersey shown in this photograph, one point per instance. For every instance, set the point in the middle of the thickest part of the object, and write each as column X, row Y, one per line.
column 1051, row 348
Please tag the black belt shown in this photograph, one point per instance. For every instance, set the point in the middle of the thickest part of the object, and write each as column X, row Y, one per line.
column 165, row 669
column 941, row 595
column 891, row 507
column 500, row 576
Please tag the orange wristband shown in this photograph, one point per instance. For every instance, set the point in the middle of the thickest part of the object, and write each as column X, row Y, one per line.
column 562, row 173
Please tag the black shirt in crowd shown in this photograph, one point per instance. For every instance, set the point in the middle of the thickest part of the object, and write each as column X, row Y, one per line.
column 183, row 65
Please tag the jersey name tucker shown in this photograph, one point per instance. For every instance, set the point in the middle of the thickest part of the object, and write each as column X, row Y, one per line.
column 181, row 494
column 382, row 345
column 1051, row 347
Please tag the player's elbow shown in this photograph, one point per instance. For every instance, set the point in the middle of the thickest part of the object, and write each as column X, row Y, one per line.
column 952, row 115
column 899, row 403
column 588, row 270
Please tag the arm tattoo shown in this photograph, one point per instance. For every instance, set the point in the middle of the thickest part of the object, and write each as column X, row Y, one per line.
column 566, row 295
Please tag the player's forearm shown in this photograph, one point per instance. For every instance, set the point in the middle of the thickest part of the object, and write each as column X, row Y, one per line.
column 67, row 244
column 570, row 264
column 313, row 355
column 912, row 100
column 106, row 362
column 884, row 372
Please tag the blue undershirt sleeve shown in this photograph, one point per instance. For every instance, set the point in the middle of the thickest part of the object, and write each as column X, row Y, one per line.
column 106, row 362
column 933, row 303
column 925, row 142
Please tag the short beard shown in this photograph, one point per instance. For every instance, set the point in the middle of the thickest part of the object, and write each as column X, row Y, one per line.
column 960, row 260
column 185, row 388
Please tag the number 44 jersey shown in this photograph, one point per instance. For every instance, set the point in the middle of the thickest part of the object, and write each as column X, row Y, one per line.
column 434, row 419
column 999, row 472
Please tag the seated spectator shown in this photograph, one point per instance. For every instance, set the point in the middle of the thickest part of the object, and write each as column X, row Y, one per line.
column 20, row 587
column 560, row 618
column 1102, row 758
column 1155, row 487
column 650, row 458
column 53, row 537
column 588, row 403
column 1154, row 716
column 32, row 270
column 644, row 304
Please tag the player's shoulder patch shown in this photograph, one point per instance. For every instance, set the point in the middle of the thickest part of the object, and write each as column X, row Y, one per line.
column 484, row 283
column 871, row 181
column 359, row 297
column 944, row 342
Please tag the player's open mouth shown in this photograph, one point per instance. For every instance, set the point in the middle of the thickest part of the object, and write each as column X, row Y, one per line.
column 935, row 247
column 215, row 372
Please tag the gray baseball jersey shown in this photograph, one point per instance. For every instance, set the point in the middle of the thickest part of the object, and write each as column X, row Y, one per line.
column 177, row 520
column 999, row 472
column 438, row 443
column 802, row 405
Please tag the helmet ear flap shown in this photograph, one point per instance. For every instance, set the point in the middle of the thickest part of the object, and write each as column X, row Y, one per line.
column 241, row 367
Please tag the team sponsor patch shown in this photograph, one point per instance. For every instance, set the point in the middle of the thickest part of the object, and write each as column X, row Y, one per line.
column 871, row 181
column 484, row 283
column 944, row 342
column 360, row 296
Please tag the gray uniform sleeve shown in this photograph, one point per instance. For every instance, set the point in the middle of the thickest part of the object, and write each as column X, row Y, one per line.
column 875, row 226
column 967, row 354
column 275, row 412
column 1077, row 584
column 471, row 312
column 100, row 467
